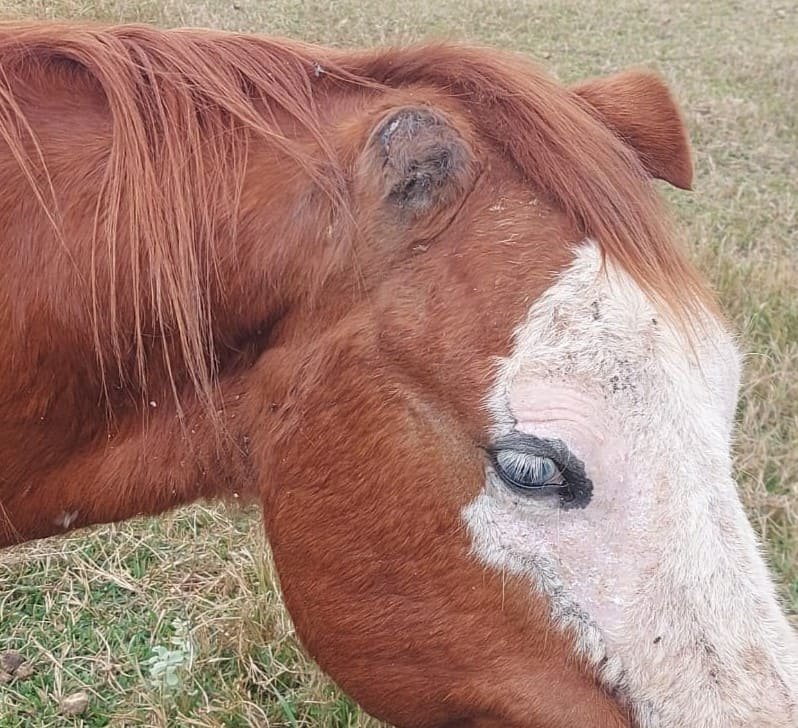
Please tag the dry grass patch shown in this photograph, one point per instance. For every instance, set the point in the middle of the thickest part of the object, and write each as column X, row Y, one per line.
column 170, row 621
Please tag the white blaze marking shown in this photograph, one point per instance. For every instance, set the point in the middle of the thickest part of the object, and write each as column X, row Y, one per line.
column 660, row 576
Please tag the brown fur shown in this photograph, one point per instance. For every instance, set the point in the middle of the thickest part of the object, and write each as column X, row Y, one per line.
column 238, row 265
column 637, row 108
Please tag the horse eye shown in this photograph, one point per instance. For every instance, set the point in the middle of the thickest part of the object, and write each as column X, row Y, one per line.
column 527, row 471
column 534, row 465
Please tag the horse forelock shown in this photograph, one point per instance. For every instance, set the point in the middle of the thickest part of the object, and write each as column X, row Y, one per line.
column 185, row 106
column 561, row 147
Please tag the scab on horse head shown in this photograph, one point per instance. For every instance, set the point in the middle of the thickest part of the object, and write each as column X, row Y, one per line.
column 450, row 345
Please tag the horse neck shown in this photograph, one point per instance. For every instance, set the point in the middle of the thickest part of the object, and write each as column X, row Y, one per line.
column 145, row 463
column 81, row 446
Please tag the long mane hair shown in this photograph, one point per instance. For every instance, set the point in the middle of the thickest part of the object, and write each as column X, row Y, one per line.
column 185, row 107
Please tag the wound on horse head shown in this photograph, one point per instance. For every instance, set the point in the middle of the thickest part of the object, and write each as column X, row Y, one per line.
column 424, row 159
column 390, row 295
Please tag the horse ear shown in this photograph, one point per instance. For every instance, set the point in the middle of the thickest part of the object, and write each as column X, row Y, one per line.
column 639, row 108
column 423, row 161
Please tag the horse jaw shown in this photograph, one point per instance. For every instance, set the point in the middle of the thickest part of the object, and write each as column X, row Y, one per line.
column 659, row 577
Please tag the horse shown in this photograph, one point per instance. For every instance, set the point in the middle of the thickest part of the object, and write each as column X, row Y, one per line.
column 425, row 306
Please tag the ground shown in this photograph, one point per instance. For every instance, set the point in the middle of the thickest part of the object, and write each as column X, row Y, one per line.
column 177, row 621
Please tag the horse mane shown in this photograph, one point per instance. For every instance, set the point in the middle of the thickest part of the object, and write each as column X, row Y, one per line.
column 185, row 106
column 558, row 143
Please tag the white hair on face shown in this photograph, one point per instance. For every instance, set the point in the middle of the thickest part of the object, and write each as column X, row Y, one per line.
column 660, row 577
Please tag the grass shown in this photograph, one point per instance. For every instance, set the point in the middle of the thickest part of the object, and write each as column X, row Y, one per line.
column 90, row 611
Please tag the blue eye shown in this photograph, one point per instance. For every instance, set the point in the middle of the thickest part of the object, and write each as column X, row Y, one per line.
column 527, row 471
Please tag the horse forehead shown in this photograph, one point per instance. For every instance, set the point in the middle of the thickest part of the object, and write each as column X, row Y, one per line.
column 595, row 325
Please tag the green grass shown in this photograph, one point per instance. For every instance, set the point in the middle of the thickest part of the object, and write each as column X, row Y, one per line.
column 89, row 611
